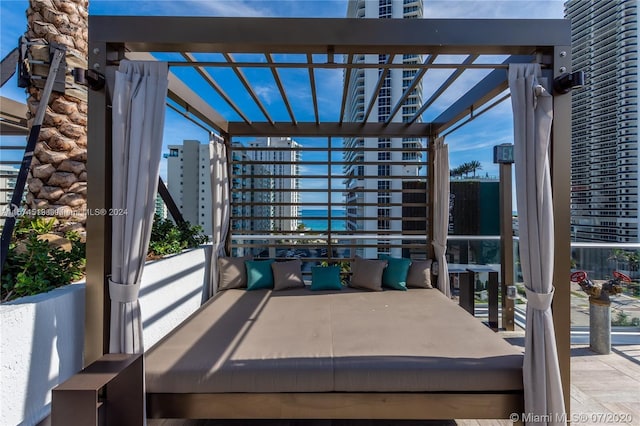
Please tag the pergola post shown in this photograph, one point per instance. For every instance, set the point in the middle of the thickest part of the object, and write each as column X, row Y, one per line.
column 560, row 182
column 430, row 192
column 227, row 141
column 99, row 181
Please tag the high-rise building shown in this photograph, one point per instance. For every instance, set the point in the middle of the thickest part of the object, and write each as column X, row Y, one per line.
column 252, row 194
column 370, row 169
column 604, row 146
column 281, row 162
column 189, row 182
column 8, row 177
column 161, row 208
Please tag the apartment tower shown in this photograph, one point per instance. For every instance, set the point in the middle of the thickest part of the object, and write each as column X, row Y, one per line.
column 8, row 177
column 373, row 170
column 604, row 146
column 252, row 193
column 280, row 158
column 189, row 182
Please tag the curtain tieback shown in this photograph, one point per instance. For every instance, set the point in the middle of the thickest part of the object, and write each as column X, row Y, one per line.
column 437, row 245
column 123, row 293
column 218, row 247
column 539, row 301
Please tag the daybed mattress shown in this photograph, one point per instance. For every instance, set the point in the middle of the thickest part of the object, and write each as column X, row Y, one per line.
column 345, row 341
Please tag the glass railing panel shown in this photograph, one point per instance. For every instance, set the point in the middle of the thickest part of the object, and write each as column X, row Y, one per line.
column 600, row 261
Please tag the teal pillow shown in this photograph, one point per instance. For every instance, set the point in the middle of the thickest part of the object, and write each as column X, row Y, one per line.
column 395, row 274
column 259, row 274
column 325, row 278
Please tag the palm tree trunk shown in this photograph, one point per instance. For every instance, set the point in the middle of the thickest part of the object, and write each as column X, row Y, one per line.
column 58, row 177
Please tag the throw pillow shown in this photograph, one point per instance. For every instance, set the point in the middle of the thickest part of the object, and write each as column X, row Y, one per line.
column 419, row 275
column 325, row 278
column 287, row 274
column 259, row 274
column 232, row 272
column 395, row 274
column 367, row 274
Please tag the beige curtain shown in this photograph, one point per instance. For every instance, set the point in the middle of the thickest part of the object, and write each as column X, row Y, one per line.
column 138, row 120
column 441, row 212
column 221, row 209
column 532, row 115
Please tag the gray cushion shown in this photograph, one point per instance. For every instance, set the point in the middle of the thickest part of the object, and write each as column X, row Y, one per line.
column 232, row 273
column 287, row 274
column 367, row 274
column 419, row 275
column 343, row 340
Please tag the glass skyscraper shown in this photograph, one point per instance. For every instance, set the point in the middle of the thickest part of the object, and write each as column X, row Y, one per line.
column 604, row 174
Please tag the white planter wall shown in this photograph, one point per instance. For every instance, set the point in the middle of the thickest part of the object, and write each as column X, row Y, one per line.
column 170, row 291
column 40, row 347
column 42, row 336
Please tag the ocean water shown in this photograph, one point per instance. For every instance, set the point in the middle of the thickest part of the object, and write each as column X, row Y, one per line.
column 337, row 219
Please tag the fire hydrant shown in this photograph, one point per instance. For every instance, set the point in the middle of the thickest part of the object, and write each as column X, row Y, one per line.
column 600, row 308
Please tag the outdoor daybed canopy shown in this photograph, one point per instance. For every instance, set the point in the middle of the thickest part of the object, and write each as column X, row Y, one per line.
column 123, row 170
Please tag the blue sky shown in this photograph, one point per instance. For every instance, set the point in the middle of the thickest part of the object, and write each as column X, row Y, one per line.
column 472, row 142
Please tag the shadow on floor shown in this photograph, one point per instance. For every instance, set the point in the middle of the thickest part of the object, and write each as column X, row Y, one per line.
column 625, row 355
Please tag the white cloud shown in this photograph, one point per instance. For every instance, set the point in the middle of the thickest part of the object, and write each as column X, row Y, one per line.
column 266, row 92
column 491, row 9
column 230, row 8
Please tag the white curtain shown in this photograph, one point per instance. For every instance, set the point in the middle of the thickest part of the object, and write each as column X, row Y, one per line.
column 532, row 115
column 220, row 206
column 441, row 212
column 138, row 120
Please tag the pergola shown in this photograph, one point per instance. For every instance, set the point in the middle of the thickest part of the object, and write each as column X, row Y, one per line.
column 338, row 42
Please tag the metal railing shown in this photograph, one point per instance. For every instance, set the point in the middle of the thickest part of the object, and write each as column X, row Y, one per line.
column 330, row 190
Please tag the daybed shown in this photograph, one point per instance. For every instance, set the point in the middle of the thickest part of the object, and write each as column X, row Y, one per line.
column 338, row 354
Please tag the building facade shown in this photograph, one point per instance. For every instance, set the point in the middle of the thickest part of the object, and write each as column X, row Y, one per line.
column 373, row 189
column 604, row 148
column 161, row 208
column 252, row 194
column 8, row 177
column 280, row 159
column 189, row 182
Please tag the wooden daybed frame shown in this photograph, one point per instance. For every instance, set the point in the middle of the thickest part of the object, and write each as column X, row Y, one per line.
column 387, row 355
column 545, row 41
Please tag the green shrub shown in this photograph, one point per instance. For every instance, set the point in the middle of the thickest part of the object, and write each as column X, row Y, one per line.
column 33, row 266
column 621, row 318
column 38, row 268
column 169, row 238
column 38, row 224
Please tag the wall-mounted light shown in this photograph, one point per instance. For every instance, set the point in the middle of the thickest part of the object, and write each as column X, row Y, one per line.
column 568, row 81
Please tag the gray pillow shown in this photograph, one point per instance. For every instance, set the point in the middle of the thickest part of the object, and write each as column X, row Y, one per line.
column 419, row 275
column 287, row 275
column 232, row 272
column 367, row 274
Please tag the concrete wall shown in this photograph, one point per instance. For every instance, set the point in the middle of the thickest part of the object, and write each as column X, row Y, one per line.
column 42, row 336
column 170, row 291
column 40, row 346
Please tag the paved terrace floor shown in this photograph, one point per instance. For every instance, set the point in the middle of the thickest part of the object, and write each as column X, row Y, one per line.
column 601, row 386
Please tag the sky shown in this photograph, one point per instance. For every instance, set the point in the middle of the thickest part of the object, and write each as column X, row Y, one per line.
column 473, row 141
